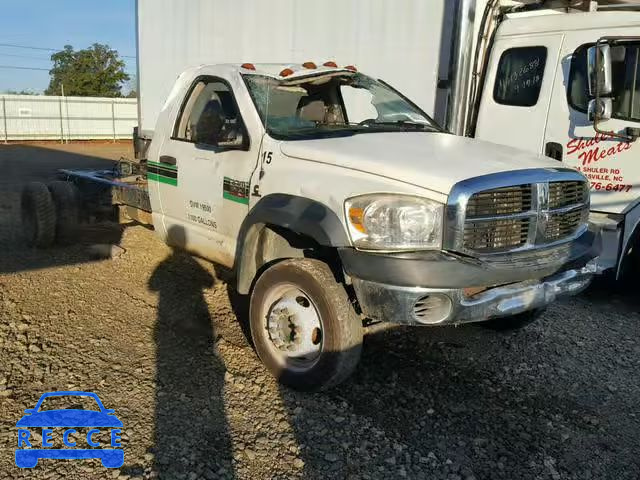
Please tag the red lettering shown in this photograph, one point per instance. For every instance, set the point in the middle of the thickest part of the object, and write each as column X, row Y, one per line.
column 573, row 146
column 593, row 152
column 590, row 156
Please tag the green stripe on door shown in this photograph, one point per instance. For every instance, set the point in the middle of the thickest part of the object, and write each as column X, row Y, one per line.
column 233, row 198
column 162, row 165
column 161, row 179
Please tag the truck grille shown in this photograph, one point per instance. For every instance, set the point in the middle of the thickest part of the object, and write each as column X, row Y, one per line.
column 563, row 194
column 497, row 235
column 504, row 219
column 562, row 225
column 501, row 201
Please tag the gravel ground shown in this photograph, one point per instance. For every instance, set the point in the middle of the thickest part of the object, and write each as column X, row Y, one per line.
column 157, row 335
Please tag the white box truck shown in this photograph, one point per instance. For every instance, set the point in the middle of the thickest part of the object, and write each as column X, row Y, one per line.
column 518, row 73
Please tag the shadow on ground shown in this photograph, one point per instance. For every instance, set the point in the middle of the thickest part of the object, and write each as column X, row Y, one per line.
column 189, row 377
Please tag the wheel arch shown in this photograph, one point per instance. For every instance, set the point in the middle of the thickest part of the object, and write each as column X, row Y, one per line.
column 631, row 238
column 285, row 226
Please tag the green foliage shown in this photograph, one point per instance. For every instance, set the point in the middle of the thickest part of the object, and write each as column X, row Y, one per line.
column 97, row 71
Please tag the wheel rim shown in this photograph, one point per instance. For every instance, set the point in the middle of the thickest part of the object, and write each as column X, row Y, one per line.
column 293, row 327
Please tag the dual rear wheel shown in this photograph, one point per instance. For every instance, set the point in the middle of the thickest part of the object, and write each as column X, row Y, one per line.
column 50, row 212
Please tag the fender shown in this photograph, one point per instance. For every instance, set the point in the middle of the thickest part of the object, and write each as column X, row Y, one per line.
column 313, row 223
column 631, row 236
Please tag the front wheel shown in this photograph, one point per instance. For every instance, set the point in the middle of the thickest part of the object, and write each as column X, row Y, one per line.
column 303, row 326
column 514, row 322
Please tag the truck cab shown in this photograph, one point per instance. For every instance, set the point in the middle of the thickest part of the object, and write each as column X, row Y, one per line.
column 337, row 202
column 538, row 96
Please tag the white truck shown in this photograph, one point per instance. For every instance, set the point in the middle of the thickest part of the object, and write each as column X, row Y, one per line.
column 509, row 72
column 337, row 202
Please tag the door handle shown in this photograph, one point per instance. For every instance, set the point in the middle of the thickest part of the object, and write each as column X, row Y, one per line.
column 554, row 150
column 169, row 160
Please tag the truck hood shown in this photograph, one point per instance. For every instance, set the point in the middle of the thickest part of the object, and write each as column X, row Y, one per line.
column 435, row 161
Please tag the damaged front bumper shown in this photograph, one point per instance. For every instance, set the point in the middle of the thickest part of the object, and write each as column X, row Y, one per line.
column 429, row 306
column 455, row 290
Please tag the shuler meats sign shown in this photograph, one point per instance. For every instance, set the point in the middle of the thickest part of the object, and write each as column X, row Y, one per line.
column 593, row 157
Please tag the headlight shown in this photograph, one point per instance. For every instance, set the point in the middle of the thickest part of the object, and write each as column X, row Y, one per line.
column 394, row 222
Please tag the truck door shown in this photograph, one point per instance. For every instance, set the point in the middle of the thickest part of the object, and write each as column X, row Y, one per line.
column 204, row 172
column 518, row 88
column 610, row 164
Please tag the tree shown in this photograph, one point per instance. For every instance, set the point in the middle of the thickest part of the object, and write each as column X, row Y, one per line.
column 97, row 71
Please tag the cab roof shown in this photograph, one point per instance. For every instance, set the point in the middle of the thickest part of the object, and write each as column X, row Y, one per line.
column 551, row 21
column 291, row 71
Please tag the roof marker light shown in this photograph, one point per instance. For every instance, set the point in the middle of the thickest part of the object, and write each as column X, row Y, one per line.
column 286, row 72
column 351, row 68
column 309, row 65
column 248, row 66
column 330, row 64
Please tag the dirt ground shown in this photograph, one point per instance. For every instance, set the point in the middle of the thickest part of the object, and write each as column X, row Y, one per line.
column 159, row 337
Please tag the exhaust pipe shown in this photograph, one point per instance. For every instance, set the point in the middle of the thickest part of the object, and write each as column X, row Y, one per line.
column 461, row 65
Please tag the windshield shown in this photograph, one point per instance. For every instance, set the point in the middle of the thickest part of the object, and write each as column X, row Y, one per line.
column 64, row 402
column 334, row 103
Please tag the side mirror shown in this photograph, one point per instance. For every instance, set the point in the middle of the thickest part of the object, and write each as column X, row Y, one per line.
column 600, row 76
column 633, row 133
column 600, row 109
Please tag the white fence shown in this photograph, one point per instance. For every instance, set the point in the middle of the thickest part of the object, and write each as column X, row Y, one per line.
column 35, row 117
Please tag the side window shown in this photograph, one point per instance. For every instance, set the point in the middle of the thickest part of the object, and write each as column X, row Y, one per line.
column 519, row 77
column 626, row 81
column 210, row 116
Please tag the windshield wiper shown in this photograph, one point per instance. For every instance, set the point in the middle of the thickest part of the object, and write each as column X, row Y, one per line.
column 403, row 123
column 320, row 132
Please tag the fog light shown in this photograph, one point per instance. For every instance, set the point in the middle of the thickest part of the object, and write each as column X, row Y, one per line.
column 432, row 309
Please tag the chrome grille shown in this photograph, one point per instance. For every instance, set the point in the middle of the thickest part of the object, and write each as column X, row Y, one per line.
column 529, row 215
column 501, row 201
column 561, row 225
column 496, row 236
column 563, row 194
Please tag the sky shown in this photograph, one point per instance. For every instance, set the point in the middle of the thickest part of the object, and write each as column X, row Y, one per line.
column 52, row 24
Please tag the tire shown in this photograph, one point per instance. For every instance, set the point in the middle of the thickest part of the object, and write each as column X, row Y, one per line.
column 288, row 302
column 514, row 322
column 38, row 215
column 26, row 459
column 66, row 198
column 113, row 459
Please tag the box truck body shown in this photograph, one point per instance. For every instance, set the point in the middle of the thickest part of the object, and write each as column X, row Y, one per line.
column 399, row 41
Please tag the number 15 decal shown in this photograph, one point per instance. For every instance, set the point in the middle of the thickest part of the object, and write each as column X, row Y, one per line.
column 267, row 157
